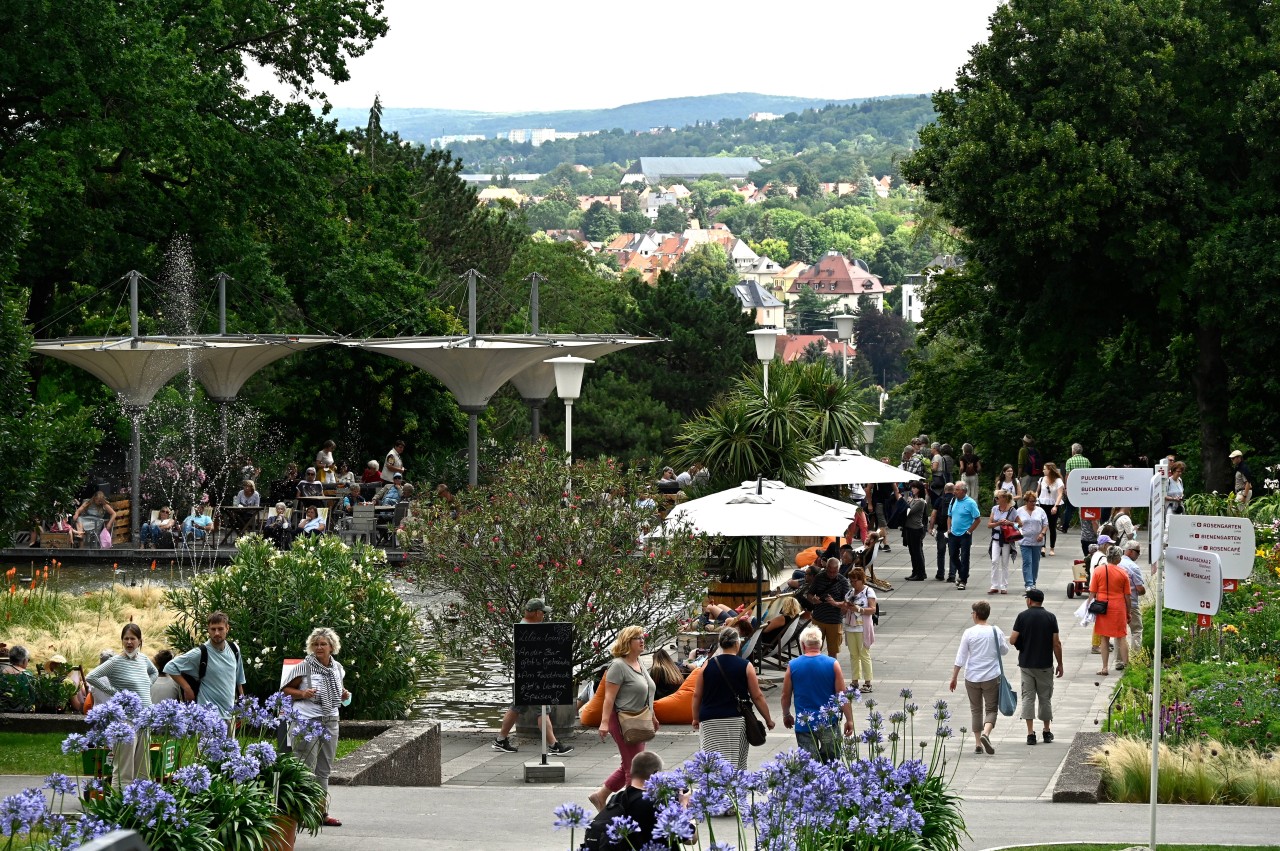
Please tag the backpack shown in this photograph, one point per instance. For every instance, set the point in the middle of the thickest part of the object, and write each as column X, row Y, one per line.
column 619, row 804
column 970, row 463
column 942, row 474
column 1034, row 465
column 204, row 667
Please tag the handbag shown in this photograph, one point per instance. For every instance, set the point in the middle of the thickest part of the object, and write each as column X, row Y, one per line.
column 753, row 726
column 1008, row 701
column 1099, row 607
column 636, row 727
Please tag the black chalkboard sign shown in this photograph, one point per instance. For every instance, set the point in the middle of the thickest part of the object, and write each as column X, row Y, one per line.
column 544, row 664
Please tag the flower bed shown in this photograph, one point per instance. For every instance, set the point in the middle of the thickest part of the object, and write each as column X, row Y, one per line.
column 225, row 791
column 877, row 795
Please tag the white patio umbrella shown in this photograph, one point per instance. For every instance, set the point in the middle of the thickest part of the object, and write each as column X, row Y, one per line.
column 842, row 466
column 760, row 508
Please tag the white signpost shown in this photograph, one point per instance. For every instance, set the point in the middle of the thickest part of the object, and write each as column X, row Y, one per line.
column 1109, row 487
column 1193, row 581
column 1155, row 519
column 1231, row 538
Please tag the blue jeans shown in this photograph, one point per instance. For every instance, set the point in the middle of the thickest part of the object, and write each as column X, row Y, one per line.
column 959, row 545
column 820, row 743
column 1030, row 564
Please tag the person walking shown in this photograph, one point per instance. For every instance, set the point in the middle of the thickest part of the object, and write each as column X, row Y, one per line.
column 1242, row 478
column 316, row 686
column 970, row 467
column 1050, row 492
column 981, row 647
column 825, row 593
column 726, row 678
column 1075, row 462
column 1175, row 492
column 627, row 688
column 1109, row 584
column 938, row 525
column 812, row 682
column 1033, row 522
column 859, row 626
column 913, row 530
column 535, row 611
column 1030, row 463
column 965, row 517
column 214, row 667
column 128, row 671
column 1003, row 517
column 1137, row 588
column 1006, row 481
column 1035, row 635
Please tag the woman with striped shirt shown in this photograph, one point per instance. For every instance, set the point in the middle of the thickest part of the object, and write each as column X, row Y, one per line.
column 315, row 684
column 726, row 678
column 129, row 671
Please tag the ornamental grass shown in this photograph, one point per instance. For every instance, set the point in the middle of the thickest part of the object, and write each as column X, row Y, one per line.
column 1196, row 773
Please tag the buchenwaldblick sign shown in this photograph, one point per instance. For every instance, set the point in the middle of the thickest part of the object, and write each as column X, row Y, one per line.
column 1192, row 581
column 1109, row 487
column 1232, row 538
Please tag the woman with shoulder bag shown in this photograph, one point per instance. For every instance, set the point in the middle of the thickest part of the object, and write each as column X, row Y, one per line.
column 860, row 609
column 1003, row 517
column 913, row 530
column 727, row 681
column 1109, row 603
column 1049, row 496
column 316, row 686
column 629, row 690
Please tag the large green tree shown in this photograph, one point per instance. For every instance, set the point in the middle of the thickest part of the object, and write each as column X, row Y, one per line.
column 1111, row 165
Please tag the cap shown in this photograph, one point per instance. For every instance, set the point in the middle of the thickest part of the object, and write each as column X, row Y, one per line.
column 536, row 605
column 1236, row 454
column 311, row 469
column 1034, row 594
column 1103, row 540
column 59, row 658
column 397, row 476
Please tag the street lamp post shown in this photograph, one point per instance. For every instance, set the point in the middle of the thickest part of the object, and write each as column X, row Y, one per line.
column 569, row 371
column 844, row 330
column 766, row 347
column 868, row 435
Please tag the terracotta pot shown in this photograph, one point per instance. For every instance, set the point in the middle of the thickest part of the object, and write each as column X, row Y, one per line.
column 283, row 841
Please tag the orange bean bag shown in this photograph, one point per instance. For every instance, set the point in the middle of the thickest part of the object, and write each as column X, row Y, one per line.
column 676, row 708
column 808, row 556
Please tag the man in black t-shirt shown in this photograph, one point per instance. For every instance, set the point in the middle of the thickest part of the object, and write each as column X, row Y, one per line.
column 825, row 593
column 1035, row 634
column 938, row 525
column 631, row 802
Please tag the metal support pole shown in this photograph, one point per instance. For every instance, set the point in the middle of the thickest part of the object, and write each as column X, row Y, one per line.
column 222, row 319
column 135, row 476
column 223, row 405
column 534, row 279
column 1156, row 666
column 542, row 723
column 535, row 417
column 766, row 381
column 473, row 449
column 133, row 308
column 568, row 446
column 471, row 304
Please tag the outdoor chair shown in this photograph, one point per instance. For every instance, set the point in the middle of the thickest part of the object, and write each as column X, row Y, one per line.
column 778, row 655
column 363, row 525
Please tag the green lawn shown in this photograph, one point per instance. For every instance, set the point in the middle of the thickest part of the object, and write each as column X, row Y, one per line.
column 41, row 753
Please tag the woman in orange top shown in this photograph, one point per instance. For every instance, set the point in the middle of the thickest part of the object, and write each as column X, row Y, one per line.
column 1110, row 583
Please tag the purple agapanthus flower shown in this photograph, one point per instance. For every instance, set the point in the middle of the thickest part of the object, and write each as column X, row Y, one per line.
column 194, row 778
column 571, row 816
column 21, row 813
column 620, row 827
column 60, row 784
column 242, row 769
column 152, row 804
column 263, row 752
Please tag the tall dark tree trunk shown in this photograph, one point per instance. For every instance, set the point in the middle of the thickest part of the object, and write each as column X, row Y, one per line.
column 1212, row 399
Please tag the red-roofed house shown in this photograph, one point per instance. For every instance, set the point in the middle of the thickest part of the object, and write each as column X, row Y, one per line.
column 792, row 346
column 837, row 278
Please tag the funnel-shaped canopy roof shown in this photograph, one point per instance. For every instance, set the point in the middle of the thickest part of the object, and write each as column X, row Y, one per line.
column 227, row 362
column 473, row 368
column 539, row 381
column 135, row 367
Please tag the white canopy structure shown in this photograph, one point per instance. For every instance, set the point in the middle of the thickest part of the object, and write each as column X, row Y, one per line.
column 225, row 363
column 851, row 467
column 135, row 367
column 763, row 508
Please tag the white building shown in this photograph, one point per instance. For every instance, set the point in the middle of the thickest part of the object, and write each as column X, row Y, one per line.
column 914, row 286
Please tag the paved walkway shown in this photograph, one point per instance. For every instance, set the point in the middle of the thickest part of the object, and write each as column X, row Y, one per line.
column 485, row 803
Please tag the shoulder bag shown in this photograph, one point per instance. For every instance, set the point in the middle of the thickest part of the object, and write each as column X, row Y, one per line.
column 636, row 727
column 756, row 733
column 1008, row 697
column 1099, row 607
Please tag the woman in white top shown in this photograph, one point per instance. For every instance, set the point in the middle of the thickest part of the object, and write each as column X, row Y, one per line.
column 1173, row 498
column 315, row 684
column 981, row 647
column 860, row 633
column 1007, row 481
column 1049, row 495
column 1125, row 530
column 128, row 671
column 1002, row 514
column 324, row 463
column 1033, row 522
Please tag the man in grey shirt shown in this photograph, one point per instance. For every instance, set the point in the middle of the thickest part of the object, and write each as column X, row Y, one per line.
column 224, row 672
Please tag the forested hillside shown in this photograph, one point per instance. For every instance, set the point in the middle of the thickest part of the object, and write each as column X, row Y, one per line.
column 835, row 142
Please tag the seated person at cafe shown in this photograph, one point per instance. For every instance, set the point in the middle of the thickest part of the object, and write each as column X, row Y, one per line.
column 247, row 497
column 372, row 473
column 161, row 532
column 389, row 494
column 310, row 486
column 311, row 523
column 197, row 524
column 276, row 529
column 350, row 501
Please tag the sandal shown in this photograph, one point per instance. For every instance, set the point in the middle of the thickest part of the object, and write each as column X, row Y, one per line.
column 865, row 687
column 330, row 821
column 1120, row 666
column 1103, row 673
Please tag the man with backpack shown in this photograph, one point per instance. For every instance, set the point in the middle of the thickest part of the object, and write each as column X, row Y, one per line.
column 631, row 803
column 1030, row 463
column 213, row 672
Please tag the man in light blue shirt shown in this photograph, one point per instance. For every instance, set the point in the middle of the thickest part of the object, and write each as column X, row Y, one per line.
column 965, row 517
column 223, row 677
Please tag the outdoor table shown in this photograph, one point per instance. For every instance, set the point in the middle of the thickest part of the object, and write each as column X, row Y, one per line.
column 237, row 519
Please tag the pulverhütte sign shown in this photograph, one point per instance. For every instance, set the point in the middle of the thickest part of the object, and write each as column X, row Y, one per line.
column 1109, row 487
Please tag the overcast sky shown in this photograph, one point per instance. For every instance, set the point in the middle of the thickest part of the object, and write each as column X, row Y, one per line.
column 507, row 56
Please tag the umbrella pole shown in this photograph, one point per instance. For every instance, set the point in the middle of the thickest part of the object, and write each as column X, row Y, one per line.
column 759, row 578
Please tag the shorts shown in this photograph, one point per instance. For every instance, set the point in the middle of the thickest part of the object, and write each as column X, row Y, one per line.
column 882, row 522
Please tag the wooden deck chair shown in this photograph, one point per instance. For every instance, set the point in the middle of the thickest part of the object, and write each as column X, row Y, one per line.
column 750, row 646
column 364, row 521
column 784, row 651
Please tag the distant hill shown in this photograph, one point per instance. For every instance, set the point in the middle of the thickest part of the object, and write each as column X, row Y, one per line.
column 421, row 125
